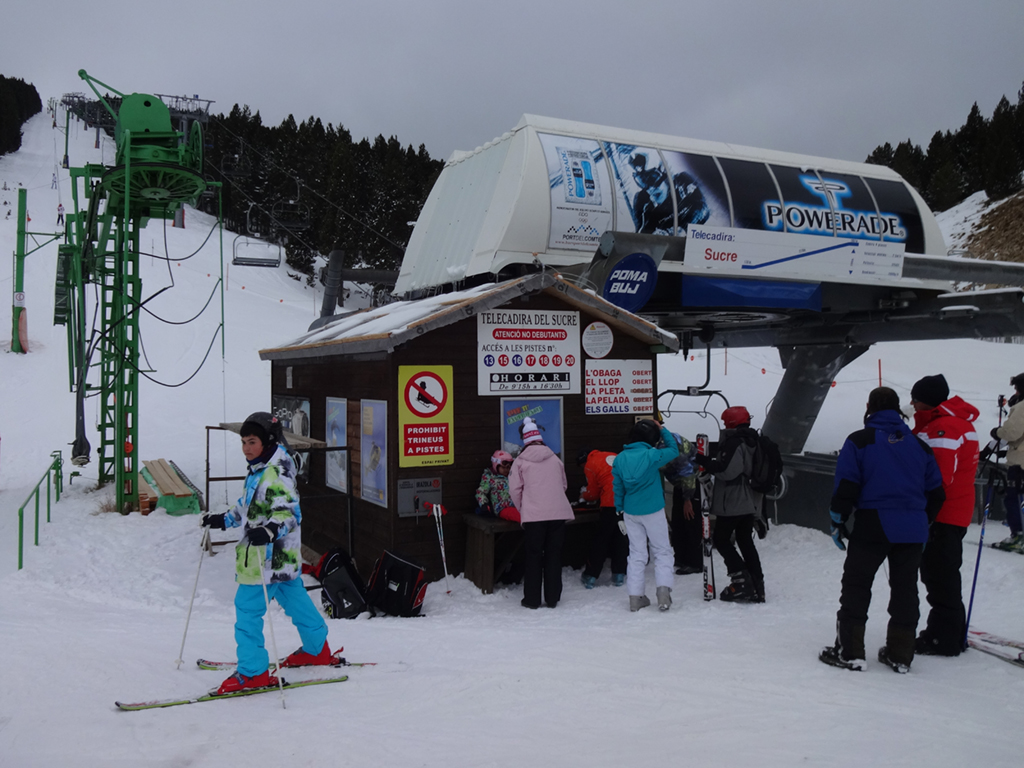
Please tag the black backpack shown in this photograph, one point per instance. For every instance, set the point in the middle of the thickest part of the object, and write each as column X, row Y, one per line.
column 343, row 592
column 767, row 466
column 397, row 586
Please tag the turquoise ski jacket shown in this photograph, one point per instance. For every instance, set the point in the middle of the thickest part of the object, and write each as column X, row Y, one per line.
column 636, row 479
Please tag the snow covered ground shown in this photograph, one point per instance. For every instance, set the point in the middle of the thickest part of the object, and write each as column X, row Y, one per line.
column 98, row 612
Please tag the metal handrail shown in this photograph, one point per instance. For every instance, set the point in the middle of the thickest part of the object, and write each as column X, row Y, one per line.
column 56, row 472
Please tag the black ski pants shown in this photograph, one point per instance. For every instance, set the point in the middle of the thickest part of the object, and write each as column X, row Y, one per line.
column 543, row 545
column 746, row 559
column 686, row 534
column 608, row 541
column 1011, row 501
column 863, row 559
column 940, row 572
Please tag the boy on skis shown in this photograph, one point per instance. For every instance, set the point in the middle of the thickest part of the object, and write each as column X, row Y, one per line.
column 268, row 553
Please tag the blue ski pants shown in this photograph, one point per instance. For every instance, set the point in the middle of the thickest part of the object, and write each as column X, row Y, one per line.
column 249, row 609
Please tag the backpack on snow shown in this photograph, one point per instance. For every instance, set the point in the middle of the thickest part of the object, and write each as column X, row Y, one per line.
column 767, row 466
column 397, row 586
column 343, row 592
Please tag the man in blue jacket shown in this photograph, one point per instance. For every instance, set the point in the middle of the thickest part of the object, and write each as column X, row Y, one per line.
column 640, row 497
column 888, row 489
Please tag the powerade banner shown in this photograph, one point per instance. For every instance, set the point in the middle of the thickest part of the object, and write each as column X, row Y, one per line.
column 581, row 206
column 753, row 254
column 600, row 185
column 631, row 282
column 661, row 193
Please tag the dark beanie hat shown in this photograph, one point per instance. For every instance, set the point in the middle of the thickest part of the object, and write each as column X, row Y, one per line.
column 931, row 390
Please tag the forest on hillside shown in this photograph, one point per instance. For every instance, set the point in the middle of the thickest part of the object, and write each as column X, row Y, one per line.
column 984, row 154
column 314, row 189
column 18, row 102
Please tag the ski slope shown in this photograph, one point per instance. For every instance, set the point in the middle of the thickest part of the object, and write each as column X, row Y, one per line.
column 98, row 612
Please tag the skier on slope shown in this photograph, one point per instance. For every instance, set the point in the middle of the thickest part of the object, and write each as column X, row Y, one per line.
column 947, row 425
column 1012, row 431
column 888, row 481
column 269, row 516
column 736, row 506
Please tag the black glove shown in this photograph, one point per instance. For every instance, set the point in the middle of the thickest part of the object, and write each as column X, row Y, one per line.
column 995, row 433
column 700, row 459
column 485, row 510
column 622, row 523
column 761, row 526
column 263, row 534
column 214, row 521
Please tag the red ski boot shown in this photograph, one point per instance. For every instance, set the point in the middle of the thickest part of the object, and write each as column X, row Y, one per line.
column 239, row 682
column 302, row 659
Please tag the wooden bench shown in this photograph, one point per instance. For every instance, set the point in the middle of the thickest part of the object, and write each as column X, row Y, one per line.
column 491, row 543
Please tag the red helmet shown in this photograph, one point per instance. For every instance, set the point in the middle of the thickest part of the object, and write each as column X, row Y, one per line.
column 735, row 416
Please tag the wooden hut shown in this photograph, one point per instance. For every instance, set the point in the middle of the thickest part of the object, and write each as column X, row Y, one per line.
column 423, row 392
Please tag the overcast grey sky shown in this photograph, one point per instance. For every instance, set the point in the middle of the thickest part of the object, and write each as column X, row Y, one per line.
column 811, row 76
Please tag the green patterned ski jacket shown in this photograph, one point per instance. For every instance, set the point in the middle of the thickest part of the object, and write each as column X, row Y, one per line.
column 270, row 497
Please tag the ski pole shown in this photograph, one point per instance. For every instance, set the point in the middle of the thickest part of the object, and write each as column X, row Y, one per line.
column 270, row 623
column 188, row 617
column 438, row 510
column 981, row 544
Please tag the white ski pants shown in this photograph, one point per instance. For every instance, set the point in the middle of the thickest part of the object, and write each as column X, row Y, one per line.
column 644, row 530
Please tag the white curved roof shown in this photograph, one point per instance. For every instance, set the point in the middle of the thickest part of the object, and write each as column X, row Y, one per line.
column 549, row 188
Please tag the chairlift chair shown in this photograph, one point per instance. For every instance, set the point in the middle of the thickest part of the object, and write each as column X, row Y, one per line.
column 235, row 165
column 290, row 215
column 251, row 252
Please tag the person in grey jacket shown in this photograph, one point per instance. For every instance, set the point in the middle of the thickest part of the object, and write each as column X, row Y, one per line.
column 736, row 506
column 1012, row 431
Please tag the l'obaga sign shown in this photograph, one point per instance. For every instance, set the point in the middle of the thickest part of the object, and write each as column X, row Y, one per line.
column 425, row 415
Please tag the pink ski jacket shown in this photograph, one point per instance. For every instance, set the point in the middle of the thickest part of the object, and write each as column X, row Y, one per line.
column 537, row 484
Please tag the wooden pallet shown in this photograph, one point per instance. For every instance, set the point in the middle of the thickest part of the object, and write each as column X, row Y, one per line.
column 167, row 480
column 147, row 496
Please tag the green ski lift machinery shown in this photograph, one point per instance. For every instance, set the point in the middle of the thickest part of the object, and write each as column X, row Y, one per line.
column 156, row 170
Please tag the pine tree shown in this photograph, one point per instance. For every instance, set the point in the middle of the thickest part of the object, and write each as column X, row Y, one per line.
column 1001, row 162
column 945, row 185
column 881, row 155
column 969, row 149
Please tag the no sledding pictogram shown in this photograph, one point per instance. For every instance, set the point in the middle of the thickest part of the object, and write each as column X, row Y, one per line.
column 425, row 394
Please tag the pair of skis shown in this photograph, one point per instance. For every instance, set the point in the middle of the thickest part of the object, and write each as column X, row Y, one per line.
column 212, row 695
column 994, row 645
column 707, row 484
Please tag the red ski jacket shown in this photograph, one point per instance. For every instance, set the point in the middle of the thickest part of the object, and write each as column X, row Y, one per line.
column 948, row 429
column 598, row 470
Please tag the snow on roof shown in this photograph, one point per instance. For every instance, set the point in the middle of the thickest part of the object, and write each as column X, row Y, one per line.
column 384, row 328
